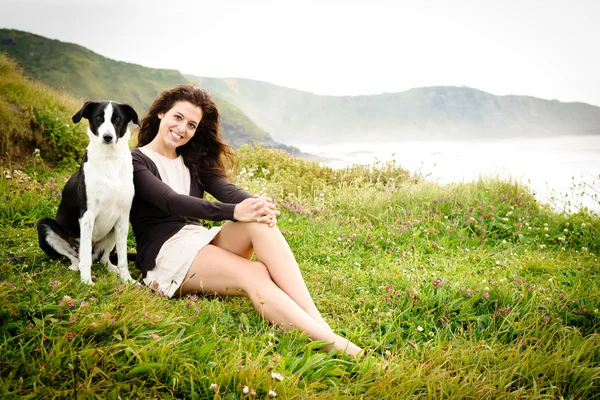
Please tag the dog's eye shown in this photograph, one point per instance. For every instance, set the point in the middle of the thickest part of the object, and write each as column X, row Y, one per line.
column 98, row 118
column 118, row 119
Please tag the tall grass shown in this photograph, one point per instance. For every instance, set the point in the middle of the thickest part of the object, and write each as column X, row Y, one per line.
column 458, row 291
column 32, row 116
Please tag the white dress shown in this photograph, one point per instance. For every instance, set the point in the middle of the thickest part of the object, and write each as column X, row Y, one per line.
column 176, row 254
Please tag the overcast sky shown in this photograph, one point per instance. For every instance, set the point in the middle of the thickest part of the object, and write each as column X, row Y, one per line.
column 542, row 48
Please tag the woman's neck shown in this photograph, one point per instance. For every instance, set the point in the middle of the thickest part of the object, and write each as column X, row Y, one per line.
column 165, row 152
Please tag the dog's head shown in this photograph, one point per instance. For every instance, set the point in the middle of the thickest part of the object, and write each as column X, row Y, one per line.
column 107, row 120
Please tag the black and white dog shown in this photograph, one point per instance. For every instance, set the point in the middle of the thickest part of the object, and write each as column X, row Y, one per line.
column 93, row 214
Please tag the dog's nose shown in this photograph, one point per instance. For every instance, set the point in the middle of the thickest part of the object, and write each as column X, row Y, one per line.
column 107, row 138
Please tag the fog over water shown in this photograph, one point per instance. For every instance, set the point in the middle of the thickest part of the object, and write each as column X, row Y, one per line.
column 551, row 167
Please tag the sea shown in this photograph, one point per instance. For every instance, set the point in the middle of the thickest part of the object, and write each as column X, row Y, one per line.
column 563, row 172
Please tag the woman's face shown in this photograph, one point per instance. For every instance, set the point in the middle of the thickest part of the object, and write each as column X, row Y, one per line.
column 178, row 125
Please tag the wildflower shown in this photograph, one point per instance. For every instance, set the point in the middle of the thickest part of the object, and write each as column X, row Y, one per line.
column 583, row 225
column 246, row 390
column 420, row 328
column 70, row 335
column 154, row 336
column 437, row 282
column 272, row 393
column 565, row 231
column 214, row 387
column 73, row 319
column 138, row 285
column 470, row 293
column 53, row 283
column 276, row 376
column 485, row 296
column 388, row 288
column 69, row 301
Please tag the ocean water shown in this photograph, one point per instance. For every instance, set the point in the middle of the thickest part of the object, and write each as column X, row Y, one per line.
column 562, row 171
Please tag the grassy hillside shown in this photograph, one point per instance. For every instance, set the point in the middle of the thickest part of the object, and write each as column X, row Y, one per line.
column 460, row 291
column 33, row 116
column 87, row 75
column 297, row 117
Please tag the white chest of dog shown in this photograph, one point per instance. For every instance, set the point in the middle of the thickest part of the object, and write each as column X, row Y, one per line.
column 93, row 216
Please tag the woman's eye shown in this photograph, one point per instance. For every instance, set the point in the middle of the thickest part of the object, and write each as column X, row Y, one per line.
column 192, row 126
column 178, row 118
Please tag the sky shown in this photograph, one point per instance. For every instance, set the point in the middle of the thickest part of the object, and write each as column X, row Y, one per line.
column 542, row 48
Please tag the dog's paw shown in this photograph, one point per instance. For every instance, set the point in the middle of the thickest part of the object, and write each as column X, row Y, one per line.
column 112, row 268
column 88, row 281
column 127, row 279
column 74, row 266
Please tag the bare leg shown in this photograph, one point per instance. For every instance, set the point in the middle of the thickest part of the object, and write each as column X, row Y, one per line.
column 216, row 270
column 271, row 249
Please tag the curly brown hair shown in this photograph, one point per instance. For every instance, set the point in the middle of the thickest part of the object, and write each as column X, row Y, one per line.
column 206, row 154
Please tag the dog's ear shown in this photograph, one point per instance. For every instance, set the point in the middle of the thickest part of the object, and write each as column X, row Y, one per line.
column 84, row 112
column 132, row 114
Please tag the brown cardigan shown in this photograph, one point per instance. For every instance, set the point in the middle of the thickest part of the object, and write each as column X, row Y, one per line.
column 158, row 212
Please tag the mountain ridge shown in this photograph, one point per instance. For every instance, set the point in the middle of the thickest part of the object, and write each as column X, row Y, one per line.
column 88, row 75
column 427, row 113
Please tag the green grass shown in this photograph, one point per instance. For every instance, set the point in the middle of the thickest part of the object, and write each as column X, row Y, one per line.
column 458, row 291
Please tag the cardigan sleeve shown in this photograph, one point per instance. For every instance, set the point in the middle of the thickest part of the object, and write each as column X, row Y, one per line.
column 225, row 191
column 152, row 190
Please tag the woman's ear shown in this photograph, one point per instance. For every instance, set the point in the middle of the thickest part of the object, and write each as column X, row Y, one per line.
column 160, row 115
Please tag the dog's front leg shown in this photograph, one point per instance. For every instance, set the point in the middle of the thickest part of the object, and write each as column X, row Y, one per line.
column 86, row 226
column 121, row 229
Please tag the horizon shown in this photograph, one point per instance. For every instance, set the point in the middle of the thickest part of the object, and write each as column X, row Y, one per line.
column 334, row 48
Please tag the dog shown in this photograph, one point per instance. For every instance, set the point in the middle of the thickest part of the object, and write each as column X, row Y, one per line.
column 93, row 215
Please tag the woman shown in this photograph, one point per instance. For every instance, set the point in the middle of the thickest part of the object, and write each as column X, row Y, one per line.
column 180, row 156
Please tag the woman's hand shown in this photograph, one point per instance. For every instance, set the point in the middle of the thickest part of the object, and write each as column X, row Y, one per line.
column 257, row 209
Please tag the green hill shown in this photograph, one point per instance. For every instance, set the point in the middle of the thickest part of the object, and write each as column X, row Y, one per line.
column 430, row 113
column 34, row 116
column 87, row 75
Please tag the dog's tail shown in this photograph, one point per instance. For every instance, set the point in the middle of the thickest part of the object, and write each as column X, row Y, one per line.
column 52, row 237
column 131, row 257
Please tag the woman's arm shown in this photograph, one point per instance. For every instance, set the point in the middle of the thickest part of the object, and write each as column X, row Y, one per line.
column 154, row 191
column 249, row 208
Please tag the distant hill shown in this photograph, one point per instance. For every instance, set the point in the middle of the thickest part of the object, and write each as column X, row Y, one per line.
column 295, row 117
column 85, row 74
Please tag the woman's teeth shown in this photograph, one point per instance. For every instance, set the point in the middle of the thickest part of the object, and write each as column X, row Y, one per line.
column 176, row 136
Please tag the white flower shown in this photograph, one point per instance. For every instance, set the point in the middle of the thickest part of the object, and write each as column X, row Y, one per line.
column 214, row 387
column 272, row 393
column 420, row 328
column 276, row 376
column 583, row 225
column 246, row 390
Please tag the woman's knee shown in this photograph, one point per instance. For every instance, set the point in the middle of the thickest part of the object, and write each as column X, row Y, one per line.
column 257, row 276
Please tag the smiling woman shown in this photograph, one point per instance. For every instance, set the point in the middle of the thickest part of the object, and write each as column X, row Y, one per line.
column 180, row 156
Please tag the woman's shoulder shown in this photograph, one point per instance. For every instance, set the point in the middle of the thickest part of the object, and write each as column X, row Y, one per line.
column 140, row 160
